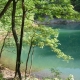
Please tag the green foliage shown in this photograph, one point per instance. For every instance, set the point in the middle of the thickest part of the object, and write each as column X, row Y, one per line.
column 34, row 33
column 76, row 4
column 44, row 36
column 40, row 35
column 71, row 77
column 55, row 8
column 39, row 9
column 56, row 73
column 1, row 77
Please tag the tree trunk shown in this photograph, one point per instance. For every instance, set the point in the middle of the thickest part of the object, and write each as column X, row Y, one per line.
column 19, row 44
column 17, row 70
column 28, row 57
column 18, row 62
column 31, row 61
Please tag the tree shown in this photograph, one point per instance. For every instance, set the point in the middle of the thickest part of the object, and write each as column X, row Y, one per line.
column 19, row 16
column 76, row 4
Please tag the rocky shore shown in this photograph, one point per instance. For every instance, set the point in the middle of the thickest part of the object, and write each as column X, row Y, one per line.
column 9, row 74
column 6, row 73
column 61, row 23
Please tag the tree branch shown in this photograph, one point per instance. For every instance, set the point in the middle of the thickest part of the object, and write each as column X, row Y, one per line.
column 5, row 8
column 3, row 43
column 22, row 27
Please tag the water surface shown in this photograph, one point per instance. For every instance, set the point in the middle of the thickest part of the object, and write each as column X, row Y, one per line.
column 44, row 59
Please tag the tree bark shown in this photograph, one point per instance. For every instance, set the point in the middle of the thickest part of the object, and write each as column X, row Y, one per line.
column 18, row 44
column 28, row 59
column 18, row 61
column 31, row 61
column 3, row 43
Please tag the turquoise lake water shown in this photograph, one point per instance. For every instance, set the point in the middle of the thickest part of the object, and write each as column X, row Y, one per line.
column 44, row 59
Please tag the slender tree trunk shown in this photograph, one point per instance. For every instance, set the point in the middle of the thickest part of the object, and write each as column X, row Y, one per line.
column 30, row 48
column 17, row 70
column 3, row 44
column 31, row 61
column 28, row 59
column 19, row 47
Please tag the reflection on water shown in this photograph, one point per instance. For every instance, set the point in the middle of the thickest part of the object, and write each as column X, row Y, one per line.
column 46, row 59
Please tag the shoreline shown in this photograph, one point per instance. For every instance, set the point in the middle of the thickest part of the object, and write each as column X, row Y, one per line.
column 6, row 72
column 9, row 74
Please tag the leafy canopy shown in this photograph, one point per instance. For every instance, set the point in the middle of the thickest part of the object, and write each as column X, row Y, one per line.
column 40, row 35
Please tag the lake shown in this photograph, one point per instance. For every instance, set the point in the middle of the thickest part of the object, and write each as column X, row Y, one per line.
column 44, row 59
